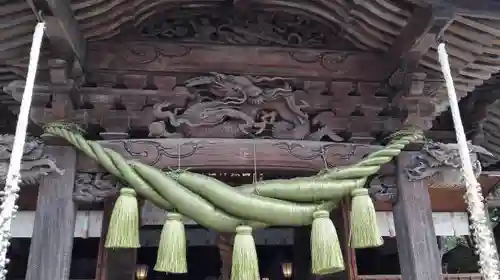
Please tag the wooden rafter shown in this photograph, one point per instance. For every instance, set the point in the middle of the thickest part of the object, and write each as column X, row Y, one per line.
column 62, row 29
column 421, row 33
column 417, row 37
column 476, row 8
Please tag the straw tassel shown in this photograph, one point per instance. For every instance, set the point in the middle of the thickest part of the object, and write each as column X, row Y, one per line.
column 364, row 228
column 123, row 231
column 172, row 248
column 245, row 263
column 326, row 254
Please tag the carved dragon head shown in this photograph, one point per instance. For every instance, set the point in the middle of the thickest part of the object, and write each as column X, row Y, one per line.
column 34, row 165
column 238, row 89
column 439, row 158
column 33, row 147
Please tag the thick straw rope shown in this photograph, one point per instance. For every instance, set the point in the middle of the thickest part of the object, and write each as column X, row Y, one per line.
column 488, row 256
column 10, row 193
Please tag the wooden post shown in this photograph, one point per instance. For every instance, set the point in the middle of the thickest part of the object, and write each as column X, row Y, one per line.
column 54, row 226
column 114, row 264
column 417, row 243
column 302, row 253
column 225, row 245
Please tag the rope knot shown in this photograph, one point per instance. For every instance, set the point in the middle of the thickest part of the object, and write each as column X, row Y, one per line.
column 359, row 192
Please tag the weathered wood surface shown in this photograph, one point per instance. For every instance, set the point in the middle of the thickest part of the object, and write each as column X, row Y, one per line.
column 154, row 56
column 234, row 154
column 52, row 241
column 102, row 253
column 114, row 264
column 281, row 109
column 62, row 27
column 419, row 255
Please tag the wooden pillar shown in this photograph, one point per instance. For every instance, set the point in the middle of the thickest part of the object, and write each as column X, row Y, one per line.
column 54, row 226
column 114, row 264
column 417, row 243
column 302, row 253
column 349, row 253
column 225, row 245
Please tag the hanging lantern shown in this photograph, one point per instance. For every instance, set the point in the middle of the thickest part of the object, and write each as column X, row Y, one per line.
column 141, row 272
column 287, row 270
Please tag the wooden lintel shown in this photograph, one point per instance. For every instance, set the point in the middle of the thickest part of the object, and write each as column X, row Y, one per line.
column 419, row 255
column 234, row 154
column 62, row 28
column 160, row 57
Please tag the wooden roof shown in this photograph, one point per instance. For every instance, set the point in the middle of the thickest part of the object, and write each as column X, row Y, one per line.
column 373, row 25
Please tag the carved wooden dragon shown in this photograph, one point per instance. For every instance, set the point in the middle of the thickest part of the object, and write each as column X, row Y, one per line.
column 34, row 165
column 234, row 106
column 443, row 159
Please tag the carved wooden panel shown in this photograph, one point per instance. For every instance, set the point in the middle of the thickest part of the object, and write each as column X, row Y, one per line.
column 247, row 26
column 223, row 106
column 154, row 56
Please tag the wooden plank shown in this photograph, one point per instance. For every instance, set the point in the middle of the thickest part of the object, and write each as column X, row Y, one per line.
column 238, row 155
column 153, row 56
column 416, row 237
column 54, row 225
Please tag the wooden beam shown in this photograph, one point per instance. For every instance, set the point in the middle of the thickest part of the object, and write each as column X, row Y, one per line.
column 52, row 241
column 238, row 155
column 165, row 58
column 419, row 255
column 422, row 32
column 62, row 28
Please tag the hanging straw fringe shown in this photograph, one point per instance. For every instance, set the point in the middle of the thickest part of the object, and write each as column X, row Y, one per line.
column 326, row 254
column 488, row 256
column 10, row 195
column 245, row 263
column 172, row 248
column 123, row 231
column 365, row 232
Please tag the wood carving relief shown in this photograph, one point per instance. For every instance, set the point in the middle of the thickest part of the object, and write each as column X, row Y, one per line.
column 441, row 163
column 228, row 106
column 224, row 106
column 251, row 27
column 94, row 187
column 35, row 163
